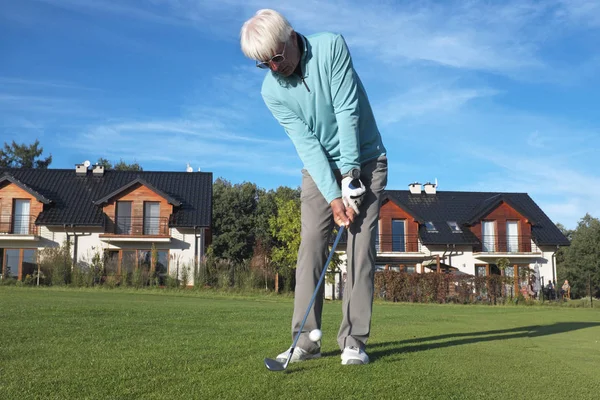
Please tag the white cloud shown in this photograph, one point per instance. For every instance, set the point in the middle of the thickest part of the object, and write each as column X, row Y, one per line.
column 174, row 142
column 27, row 104
column 565, row 194
column 427, row 100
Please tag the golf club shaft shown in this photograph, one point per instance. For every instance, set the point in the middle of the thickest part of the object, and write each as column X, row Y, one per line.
column 314, row 296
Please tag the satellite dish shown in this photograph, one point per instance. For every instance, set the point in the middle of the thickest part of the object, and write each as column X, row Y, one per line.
column 189, row 168
column 87, row 163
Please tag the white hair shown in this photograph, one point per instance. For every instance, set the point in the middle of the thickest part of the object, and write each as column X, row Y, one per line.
column 262, row 34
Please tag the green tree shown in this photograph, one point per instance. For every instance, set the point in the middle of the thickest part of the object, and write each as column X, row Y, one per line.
column 23, row 156
column 234, row 209
column 120, row 166
column 266, row 207
column 285, row 228
column 580, row 262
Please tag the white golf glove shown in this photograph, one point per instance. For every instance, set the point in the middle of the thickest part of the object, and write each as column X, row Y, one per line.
column 353, row 192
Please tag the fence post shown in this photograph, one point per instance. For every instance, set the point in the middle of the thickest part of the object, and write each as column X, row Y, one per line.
column 591, row 296
column 542, row 289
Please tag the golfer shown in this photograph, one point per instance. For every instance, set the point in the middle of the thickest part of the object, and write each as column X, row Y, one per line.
column 316, row 95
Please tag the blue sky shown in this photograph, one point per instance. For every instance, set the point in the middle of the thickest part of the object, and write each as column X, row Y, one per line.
column 499, row 96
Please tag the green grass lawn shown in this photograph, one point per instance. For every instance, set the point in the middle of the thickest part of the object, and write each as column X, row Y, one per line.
column 101, row 344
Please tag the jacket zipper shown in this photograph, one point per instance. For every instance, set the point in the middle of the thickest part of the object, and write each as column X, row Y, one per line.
column 305, row 85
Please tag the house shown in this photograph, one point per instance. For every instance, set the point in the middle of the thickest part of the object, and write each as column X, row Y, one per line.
column 120, row 215
column 424, row 230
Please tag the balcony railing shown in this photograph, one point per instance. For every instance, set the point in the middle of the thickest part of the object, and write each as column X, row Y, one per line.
column 18, row 225
column 506, row 244
column 398, row 244
column 138, row 226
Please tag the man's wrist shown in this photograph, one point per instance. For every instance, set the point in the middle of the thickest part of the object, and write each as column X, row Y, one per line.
column 354, row 173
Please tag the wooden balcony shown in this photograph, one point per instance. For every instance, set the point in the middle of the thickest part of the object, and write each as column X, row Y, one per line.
column 506, row 245
column 398, row 244
column 18, row 225
column 137, row 228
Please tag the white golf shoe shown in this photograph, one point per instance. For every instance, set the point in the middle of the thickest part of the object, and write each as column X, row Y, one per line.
column 354, row 356
column 298, row 355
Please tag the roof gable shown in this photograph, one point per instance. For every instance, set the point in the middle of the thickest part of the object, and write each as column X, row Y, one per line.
column 74, row 196
column 463, row 207
column 9, row 178
column 131, row 184
column 490, row 204
column 388, row 196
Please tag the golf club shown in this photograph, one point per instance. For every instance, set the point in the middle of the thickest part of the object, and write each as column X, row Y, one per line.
column 274, row 365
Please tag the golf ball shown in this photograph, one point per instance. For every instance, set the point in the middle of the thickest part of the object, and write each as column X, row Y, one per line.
column 315, row 335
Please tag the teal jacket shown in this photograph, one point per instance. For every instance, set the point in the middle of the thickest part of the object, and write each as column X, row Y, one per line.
column 326, row 113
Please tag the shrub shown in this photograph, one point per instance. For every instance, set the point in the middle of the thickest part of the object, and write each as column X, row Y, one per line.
column 440, row 288
column 56, row 263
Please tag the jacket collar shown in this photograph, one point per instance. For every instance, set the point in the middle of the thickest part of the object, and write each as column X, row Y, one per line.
column 306, row 55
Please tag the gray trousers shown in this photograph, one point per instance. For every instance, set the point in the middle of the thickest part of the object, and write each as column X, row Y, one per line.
column 317, row 222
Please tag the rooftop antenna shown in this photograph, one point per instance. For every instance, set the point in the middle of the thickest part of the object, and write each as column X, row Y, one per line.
column 436, row 182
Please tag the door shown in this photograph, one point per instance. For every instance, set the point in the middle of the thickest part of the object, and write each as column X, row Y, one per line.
column 123, row 217
column 21, row 217
column 512, row 236
column 488, row 233
column 398, row 235
column 151, row 218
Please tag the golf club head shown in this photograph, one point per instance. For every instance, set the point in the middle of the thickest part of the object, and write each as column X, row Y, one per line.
column 274, row 365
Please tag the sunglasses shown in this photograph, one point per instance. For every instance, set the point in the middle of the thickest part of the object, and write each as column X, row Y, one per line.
column 276, row 59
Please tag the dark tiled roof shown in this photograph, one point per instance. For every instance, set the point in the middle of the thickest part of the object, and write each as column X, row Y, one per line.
column 463, row 207
column 72, row 196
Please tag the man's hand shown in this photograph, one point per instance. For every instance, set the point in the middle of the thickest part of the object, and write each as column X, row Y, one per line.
column 341, row 214
column 353, row 192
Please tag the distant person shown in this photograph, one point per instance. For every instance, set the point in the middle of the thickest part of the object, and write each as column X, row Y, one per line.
column 531, row 288
column 565, row 289
column 550, row 289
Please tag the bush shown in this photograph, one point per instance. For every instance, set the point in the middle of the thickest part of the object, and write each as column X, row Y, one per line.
column 56, row 264
column 439, row 288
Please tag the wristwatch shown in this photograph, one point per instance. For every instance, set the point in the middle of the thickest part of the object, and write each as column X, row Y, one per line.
column 354, row 173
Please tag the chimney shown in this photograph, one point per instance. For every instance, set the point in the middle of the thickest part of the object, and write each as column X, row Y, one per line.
column 98, row 170
column 415, row 188
column 80, row 169
column 430, row 188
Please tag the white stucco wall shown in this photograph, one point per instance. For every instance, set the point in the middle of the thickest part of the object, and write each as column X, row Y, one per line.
column 181, row 246
column 462, row 257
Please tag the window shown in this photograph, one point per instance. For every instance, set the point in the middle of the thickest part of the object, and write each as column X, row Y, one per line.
column 488, row 236
column 28, row 265
column 15, row 263
column 430, row 227
column 454, row 227
column 21, row 217
column 11, row 264
column 151, row 217
column 111, row 261
column 410, row 269
column 398, row 236
column 132, row 260
column 123, row 217
column 512, row 236
column 128, row 261
column 480, row 270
